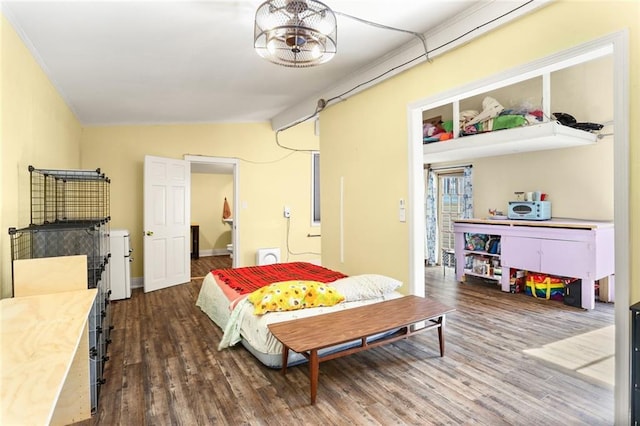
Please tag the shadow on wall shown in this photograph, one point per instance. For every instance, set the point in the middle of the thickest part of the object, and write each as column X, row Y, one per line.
column 222, row 240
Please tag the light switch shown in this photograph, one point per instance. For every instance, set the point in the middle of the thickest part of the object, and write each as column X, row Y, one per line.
column 402, row 211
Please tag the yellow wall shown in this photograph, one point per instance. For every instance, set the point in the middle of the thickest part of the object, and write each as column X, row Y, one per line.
column 38, row 129
column 269, row 178
column 578, row 181
column 364, row 140
column 208, row 192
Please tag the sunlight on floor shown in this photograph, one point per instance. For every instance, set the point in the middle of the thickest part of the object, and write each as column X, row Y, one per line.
column 590, row 354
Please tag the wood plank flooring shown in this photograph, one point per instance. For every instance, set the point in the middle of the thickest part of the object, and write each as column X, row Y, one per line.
column 165, row 368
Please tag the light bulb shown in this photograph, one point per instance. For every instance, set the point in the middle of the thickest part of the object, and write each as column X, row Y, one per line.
column 315, row 51
column 325, row 26
column 271, row 46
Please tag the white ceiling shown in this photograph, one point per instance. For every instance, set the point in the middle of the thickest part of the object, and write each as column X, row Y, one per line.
column 125, row 62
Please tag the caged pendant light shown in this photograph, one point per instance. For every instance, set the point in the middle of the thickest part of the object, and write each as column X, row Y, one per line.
column 295, row 33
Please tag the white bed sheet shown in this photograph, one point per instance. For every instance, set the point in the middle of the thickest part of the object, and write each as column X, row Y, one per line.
column 253, row 329
column 213, row 302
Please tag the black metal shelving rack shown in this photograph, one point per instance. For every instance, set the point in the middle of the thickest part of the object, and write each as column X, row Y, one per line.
column 70, row 216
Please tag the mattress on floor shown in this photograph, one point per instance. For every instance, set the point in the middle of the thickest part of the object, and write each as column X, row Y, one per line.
column 256, row 337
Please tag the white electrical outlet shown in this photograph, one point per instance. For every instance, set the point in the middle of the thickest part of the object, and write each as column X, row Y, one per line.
column 287, row 212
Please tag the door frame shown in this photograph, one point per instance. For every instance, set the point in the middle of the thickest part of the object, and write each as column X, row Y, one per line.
column 416, row 220
column 223, row 165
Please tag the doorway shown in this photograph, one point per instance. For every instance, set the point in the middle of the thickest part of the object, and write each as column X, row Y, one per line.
column 449, row 197
column 618, row 43
column 449, row 207
column 214, row 205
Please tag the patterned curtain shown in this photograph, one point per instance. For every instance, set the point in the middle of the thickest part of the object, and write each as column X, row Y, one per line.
column 432, row 218
column 467, row 193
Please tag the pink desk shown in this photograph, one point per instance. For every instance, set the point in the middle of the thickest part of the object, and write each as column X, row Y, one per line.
column 564, row 247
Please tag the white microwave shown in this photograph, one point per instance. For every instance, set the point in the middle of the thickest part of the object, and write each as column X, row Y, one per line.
column 529, row 210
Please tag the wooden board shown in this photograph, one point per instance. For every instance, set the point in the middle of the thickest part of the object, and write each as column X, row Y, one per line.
column 47, row 275
column 551, row 223
column 606, row 293
column 45, row 358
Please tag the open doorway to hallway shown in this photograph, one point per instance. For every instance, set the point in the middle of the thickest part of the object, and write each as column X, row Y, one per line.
column 214, row 206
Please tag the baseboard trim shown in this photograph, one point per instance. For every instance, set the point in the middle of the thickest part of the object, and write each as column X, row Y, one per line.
column 137, row 282
column 213, row 252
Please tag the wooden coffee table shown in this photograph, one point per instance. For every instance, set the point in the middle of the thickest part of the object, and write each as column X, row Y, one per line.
column 308, row 335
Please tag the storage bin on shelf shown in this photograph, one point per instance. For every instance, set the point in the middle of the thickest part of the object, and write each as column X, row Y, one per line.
column 482, row 256
column 63, row 196
column 66, row 239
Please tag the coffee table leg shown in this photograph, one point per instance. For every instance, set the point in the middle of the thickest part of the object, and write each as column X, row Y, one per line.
column 285, row 358
column 313, row 374
column 441, row 335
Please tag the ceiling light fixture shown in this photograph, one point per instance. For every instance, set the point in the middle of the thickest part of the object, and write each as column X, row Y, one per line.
column 295, row 33
column 302, row 33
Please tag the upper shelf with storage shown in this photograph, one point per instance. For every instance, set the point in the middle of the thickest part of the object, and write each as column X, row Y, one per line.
column 537, row 137
column 520, row 114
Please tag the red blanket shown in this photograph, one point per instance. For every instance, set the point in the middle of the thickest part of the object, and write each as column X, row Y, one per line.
column 250, row 278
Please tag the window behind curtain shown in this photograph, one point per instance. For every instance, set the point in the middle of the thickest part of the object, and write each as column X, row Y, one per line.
column 450, row 207
column 449, row 195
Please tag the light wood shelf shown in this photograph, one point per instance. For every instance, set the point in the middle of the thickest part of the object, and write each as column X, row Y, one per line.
column 45, row 358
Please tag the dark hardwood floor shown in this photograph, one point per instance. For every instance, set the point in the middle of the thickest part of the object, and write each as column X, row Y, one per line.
column 165, row 369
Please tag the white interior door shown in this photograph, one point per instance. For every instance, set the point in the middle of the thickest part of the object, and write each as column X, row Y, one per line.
column 167, row 201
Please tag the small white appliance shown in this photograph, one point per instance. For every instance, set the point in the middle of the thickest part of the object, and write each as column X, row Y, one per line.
column 121, row 250
column 529, row 210
column 267, row 256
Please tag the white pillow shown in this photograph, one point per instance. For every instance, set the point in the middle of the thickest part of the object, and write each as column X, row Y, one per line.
column 363, row 287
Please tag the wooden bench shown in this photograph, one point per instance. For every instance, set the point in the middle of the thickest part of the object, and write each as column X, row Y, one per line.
column 308, row 335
